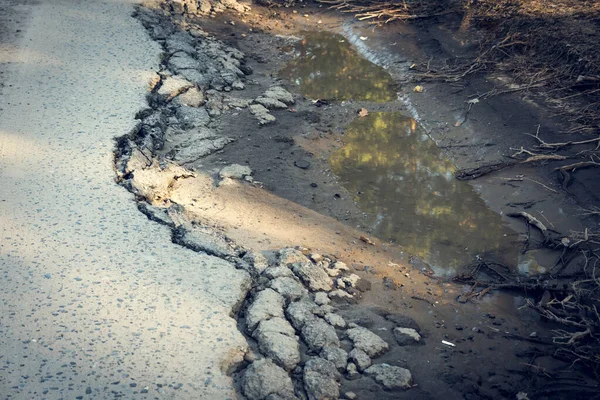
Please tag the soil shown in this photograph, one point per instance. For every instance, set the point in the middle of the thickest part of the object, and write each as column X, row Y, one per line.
column 501, row 348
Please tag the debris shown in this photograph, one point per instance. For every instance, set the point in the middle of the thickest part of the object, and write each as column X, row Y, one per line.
column 418, row 89
column 363, row 112
column 367, row 240
column 363, row 38
column 448, row 343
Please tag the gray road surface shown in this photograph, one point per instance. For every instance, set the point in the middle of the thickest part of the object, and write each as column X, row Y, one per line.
column 94, row 299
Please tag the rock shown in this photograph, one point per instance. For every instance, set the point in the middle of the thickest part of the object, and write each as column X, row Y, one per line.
column 182, row 61
column 288, row 287
column 238, row 85
column 196, row 149
column 277, row 340
column 300, row 312
column 193, row 98
column 180, row 41
column 318, row 334
column 270, row 103
column 360, row 359
column 404, row 321
column 302, row 164
column 261, row 114
column 316, row 258
column 350, row 395
column 326, row 309
column 321, row 380
column 367, row 341
column 276, row 272
column 335, row 320
column 340, row 294
column 279, row 93
column 266, row 305
column 172, row 86
column 389, row 376
column 192, row 117
column 321, row 298
column 263, row 379
column 351, row 280
column 337, row 268
column 352, row 372
column 195, row 77
column 289, row 256
column 257, row 261
column 313, row 276
column 337, row 355
column 406, row 336
column 235, row 171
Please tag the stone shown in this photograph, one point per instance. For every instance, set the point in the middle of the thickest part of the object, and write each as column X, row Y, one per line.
column 302, row 164
column 196, row 149
column 340, row 294
column 406, row 336
column 279, row 93
column 318, row 334
column 350, row 395
column 339, row 266
column 262, row 114
column 195, row 76
column 238, row 85
column 351, row 280
column 326, row 309
column 192, row 117
column 316, row 258
column 235, row 171
column 266, row 305
column 337, row 355
column 289, row 256
column 192, row 97
column 321, row 379
column 288, row 287
column 389, row 376
column 352, row 372
column 313, row 276
column 258, row 263
column 172, row 86
column 335, row 320
column 263, row 379
column 300, row 312
column 360, row 359
column 276, row 272
column 367, row 341
column 321, row 298
column 277, row 340
column 270, row 103
column 181, row 61
column 180, row 41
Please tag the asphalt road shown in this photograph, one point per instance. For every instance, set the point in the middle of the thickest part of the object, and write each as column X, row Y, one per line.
column 95, row 301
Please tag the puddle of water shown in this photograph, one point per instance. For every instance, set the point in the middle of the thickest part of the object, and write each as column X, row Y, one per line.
column 327, row 66
column 404, row 182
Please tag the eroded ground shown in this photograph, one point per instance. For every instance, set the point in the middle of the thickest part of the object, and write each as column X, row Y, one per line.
column 260, row 135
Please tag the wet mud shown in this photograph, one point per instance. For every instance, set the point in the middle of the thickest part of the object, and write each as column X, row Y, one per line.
column 358, row 167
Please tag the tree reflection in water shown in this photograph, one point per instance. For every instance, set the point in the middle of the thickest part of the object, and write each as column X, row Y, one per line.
column 326, row 66
column 408, row 188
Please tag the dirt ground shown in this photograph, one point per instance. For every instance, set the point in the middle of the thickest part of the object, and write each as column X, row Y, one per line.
column 502, row 349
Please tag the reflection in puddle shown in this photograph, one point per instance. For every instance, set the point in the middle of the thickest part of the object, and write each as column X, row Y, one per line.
column 407, row 186
column 326, row 66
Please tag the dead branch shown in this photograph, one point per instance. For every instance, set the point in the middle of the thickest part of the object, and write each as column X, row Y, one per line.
column 531, row 220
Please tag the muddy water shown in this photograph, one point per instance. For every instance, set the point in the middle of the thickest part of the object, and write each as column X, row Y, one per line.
column 399, row 177
column 405, row 183
column 326, row 66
